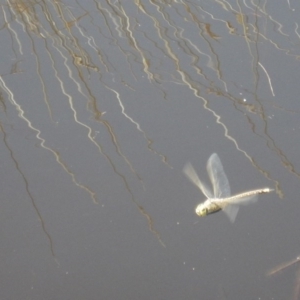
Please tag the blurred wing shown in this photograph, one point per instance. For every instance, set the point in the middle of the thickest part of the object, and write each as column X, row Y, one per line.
column 231, row 208
column 231, row 212
column 193, row 177
column 218, row 177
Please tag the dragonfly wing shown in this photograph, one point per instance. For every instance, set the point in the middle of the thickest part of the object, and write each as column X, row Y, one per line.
column 193, row 177
column 231, row 212
column 218, row 177
column 231, row 207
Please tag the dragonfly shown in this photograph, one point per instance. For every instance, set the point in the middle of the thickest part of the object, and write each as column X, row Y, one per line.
column 220, row 198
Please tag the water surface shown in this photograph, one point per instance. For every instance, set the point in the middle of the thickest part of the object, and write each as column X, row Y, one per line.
column 102, row 104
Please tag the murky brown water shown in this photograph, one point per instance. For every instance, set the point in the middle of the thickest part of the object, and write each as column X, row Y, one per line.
column 102, row 104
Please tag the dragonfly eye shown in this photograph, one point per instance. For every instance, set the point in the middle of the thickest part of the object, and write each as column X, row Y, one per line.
column 203, row 212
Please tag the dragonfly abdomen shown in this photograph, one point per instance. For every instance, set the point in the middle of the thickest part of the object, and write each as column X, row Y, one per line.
column 240, row 197
column 251, row 193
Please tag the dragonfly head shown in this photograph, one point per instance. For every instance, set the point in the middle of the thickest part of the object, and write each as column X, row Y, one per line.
column 201, row 210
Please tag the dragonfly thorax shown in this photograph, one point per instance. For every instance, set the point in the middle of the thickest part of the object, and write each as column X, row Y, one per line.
column 208, row 207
